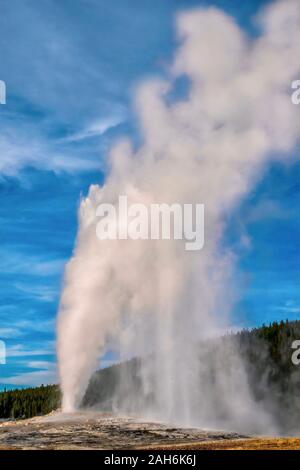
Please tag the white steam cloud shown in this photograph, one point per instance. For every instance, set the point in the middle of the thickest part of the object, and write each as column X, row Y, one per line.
column 211, row 147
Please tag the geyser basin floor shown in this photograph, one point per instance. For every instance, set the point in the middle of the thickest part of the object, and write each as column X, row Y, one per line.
column 97, row 431
column 92, row 430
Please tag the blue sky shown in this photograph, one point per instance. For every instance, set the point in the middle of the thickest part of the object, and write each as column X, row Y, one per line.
column 70, row 68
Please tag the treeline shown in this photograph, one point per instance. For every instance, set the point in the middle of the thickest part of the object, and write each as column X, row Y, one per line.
column 273, row 377
column 277, row 338
column 267, row 352
column 261, row 356
column 29, row 402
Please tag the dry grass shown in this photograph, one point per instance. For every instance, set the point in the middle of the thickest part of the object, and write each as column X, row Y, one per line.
column 263, row 443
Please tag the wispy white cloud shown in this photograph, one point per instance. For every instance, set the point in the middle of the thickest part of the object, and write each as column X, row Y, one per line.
column 15, row 328
column 289, row 309
column 33, row 379
column 18, row 350
column 35, row 325
column 13, row 262
column 9, row 332
column 21, row 146
column 48, row 365
column 97, row 128
column 46, row 374
column 38, row 292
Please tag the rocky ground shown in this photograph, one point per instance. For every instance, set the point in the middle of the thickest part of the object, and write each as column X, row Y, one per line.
column 92, row 430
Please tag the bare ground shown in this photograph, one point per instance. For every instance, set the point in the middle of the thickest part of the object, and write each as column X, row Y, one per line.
column 90, row 430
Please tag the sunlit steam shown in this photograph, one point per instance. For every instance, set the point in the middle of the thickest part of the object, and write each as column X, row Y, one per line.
column 154, row 298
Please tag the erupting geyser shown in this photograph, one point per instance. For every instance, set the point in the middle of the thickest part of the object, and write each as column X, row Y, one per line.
column 155, row 298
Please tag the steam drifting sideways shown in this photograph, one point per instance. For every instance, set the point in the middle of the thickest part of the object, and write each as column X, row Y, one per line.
column 153, row 298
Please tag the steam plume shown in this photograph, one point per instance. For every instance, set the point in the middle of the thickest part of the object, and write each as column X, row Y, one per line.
column 211, row 147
